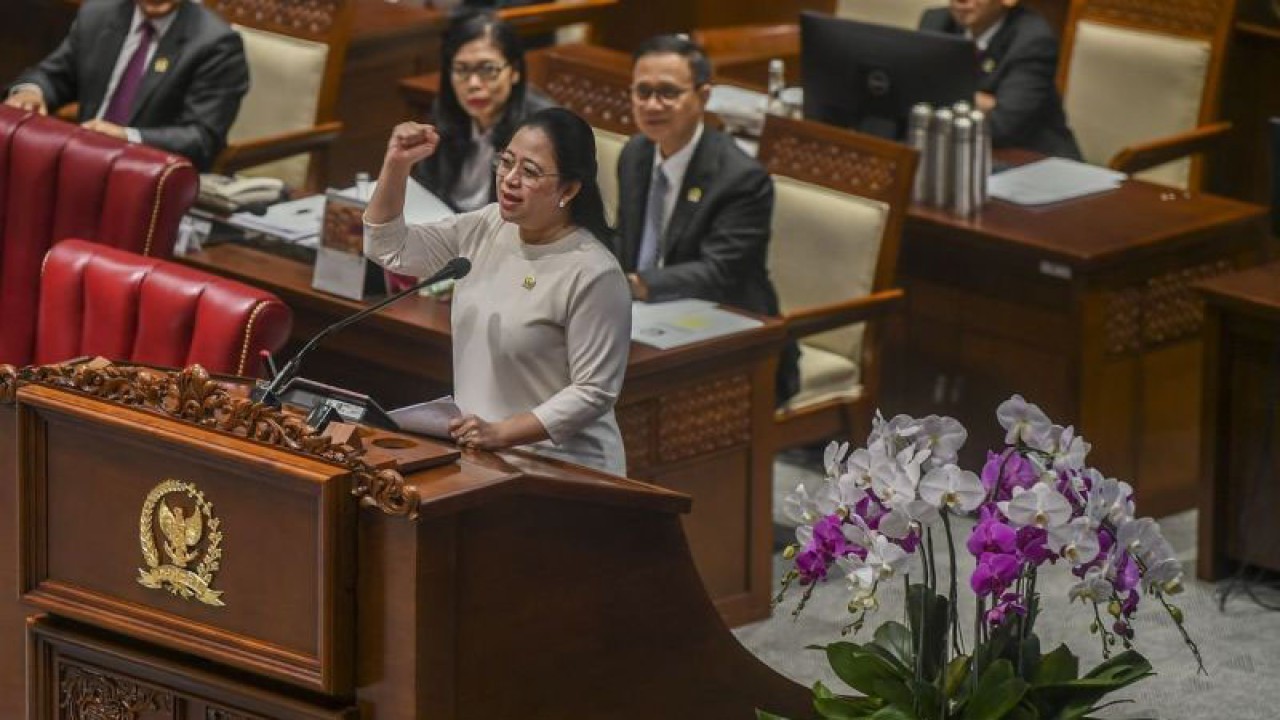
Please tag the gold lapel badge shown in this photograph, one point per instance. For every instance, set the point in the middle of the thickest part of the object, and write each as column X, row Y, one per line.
column 161, row 65
column 181, row 534
column 694, row 194
column 988, row 65
column 529, row 282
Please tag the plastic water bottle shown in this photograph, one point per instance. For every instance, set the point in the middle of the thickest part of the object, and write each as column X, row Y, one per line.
column 777, row 83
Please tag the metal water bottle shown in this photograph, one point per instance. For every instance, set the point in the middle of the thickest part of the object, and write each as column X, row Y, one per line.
column 961, row 108
column 918, row 138
column 963, row 201
column 777, row 83
column 941, row 152
column 982, row 153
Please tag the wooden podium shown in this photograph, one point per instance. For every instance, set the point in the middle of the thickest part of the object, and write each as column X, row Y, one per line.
column 181, row 552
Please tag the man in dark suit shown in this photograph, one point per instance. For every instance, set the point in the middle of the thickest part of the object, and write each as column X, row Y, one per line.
column 694, row 210
column 1017, row 57
column 167, row 73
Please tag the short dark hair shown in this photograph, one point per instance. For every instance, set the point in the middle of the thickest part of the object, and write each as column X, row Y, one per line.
column 574, row 146
column 692, row 52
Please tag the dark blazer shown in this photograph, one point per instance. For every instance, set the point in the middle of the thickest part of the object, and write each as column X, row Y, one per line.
column 717, row 240
column 187, row 108
column 1018, row 67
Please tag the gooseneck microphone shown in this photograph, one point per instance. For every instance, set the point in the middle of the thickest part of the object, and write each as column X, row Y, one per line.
column 455, row 269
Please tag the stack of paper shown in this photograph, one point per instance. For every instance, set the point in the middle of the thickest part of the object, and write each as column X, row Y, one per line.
column 681, row 322
column 420, row 204
column 741, row 110
column 292, row 221
column 429, row 418
column 1052, row 180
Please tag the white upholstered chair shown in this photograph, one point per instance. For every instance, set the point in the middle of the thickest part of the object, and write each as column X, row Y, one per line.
column 1141, row 80
column 295, row 52
column 899, row 13
column 608, row 147
column 840, row 199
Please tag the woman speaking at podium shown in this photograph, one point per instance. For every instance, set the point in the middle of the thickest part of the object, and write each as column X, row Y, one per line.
column 542, row 324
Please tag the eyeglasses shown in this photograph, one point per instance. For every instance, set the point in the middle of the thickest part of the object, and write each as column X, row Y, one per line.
column 529, row 174
column 487, row 72
column 666, row 94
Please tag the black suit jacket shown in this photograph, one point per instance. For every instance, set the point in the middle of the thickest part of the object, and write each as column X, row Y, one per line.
column 186, row 103
column 1018, row 67
column 717, row 241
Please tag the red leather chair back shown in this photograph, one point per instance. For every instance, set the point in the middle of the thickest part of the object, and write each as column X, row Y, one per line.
column 58, row 180
column 97, row 300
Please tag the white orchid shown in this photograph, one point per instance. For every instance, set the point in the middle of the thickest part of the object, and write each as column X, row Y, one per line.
column 832, row 456
column 1067, row 449
column 951, row 487
column 894, row 480
column 1110, row 500
column 1023, row 422
column 1077, row 541
column 800, row 507
column 942, row 437
column 1041, row 506
column 858, row 468
column 905, row 516
column 1094, row 587
column 883, row 561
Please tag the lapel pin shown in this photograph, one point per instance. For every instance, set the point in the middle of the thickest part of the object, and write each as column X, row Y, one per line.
column 161, row 64
column 988, row 65
column 529, row 282
column 694, row 194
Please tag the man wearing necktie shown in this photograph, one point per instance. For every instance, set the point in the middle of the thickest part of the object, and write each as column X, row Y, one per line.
column 167, row 73
column 694, row 211
column 1018, row 59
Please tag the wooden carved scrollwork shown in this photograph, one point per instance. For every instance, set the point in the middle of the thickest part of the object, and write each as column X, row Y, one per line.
column 90, row 694
column 191, row 396
column 1162, row 309
column 858, row 172
column 309, row 17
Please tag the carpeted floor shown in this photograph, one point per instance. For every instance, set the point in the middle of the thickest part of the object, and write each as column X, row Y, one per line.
column 1240, row 644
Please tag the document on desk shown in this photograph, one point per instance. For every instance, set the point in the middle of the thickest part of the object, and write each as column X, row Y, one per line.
column 1052, row 180
column 681, row 322
column 420, row 204
column 292, row 221
column 430, row 418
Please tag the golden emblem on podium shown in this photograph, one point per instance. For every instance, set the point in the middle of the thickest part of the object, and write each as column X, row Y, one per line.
column 189, row 570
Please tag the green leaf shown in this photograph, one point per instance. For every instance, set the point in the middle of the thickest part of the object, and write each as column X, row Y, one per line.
column 859, row 669
column 893, row 713
column 895, row 638
column 1057, row 667
column 1030, row 657
column 929, row 612
column 957, row 674
column 998, row 692
column 841, row 708
column 762, row 715
column 1072, row 699
column 1127, row 667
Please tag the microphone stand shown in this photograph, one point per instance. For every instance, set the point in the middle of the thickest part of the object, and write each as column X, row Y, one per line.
column 269, row 394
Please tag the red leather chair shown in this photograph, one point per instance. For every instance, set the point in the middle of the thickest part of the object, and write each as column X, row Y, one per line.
column 58, row 180
column 97, row 300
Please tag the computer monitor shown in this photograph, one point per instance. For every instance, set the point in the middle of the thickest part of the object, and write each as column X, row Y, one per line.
column 867, row 77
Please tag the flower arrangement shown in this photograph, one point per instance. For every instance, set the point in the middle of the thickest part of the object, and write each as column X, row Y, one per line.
column 1037, row 504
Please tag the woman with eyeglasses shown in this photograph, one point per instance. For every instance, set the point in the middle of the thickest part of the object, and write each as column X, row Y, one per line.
column 483, row 97
column 542, row 324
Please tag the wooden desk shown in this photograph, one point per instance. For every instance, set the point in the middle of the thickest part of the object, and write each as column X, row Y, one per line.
column 490, row 586
column 1238, row 499
column 694, row 419
column 1085, row 308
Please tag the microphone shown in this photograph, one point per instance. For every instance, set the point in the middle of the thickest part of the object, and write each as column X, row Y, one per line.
column 455, row 269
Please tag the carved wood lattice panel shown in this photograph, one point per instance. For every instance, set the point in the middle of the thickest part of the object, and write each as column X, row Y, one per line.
column 1163, row 309
column 1198, row 18
column 87, row 693
column 601, row 103
column 637, row 423
column 837, row 166
column 703, row 419
column 313, row 18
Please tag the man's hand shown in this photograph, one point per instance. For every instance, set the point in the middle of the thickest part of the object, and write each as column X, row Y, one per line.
column 639, row 291
column 105, row 128
column 28, row 99
column 985, row 101
column 411, row 142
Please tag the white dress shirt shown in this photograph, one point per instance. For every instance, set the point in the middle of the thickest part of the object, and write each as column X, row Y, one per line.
column 674, row 168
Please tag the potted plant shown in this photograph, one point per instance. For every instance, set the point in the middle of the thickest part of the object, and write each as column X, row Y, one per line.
column 1039, row 507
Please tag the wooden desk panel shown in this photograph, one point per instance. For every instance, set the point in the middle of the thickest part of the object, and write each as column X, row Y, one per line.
column 1241, row 382
column 1084, row 307
column 696, row 419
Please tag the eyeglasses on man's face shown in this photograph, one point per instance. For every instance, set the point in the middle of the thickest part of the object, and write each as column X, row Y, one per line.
column 528, row 172
column 666, row 94
column 486, row 71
